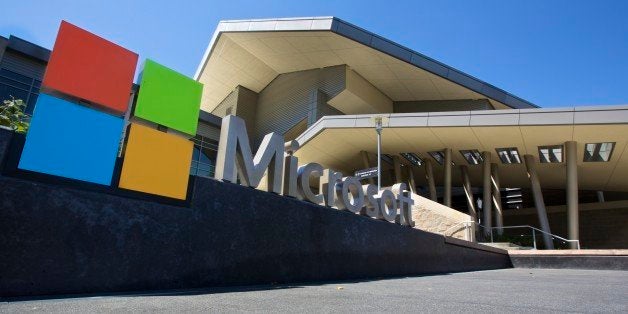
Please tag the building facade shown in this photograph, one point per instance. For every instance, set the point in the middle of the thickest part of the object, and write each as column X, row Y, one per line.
column 452, row 138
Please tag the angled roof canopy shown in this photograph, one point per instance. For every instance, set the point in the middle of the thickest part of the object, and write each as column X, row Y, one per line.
column 336, row 142
column 252, row 53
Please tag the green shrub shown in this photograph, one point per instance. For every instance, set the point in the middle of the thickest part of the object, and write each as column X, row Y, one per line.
column 12, row 115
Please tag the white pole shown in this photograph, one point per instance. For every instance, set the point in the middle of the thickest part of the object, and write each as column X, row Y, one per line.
column 378, row 128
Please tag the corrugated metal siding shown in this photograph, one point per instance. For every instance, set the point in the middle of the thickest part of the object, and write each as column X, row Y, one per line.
column 3, row 46
column 231, row 101
column 21, row 64
column 247, row 107
column 292, row 97
column 441, row 105
column 208, row 131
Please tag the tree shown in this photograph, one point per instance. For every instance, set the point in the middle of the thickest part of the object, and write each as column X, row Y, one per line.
column 12, row 115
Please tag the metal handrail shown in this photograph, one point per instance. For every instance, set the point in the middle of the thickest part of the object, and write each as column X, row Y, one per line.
column 539, row 230
column 466, row 225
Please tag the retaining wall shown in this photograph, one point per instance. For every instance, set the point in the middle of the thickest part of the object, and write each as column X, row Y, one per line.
column 58, row 239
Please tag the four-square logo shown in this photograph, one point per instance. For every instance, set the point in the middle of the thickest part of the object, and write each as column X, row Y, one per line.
column 77, row 125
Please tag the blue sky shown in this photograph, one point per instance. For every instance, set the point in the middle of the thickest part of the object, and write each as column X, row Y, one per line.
column 552, row 53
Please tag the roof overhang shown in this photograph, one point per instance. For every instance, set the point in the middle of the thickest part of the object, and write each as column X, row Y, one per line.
column 336, row 142
column 252, row 53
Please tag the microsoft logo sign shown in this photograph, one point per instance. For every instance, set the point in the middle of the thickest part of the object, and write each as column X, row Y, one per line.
column 79, row 118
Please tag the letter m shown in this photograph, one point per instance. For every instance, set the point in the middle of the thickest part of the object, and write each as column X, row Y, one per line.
column 235, row 157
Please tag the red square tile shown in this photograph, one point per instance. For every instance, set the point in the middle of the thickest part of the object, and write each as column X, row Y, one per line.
column 88, row 67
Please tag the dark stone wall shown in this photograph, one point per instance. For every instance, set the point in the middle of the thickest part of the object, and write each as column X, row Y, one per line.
column 57, row 239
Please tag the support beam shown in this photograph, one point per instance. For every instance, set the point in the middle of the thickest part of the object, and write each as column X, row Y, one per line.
column 397, row 168
column 411, row 181
column 497, row 199
column 447, row 180
column 487, row 195
column 366, row 163
column 466, row 185
column 429, row 176
column 539, row 203
column 573, row 224
column 600, row 196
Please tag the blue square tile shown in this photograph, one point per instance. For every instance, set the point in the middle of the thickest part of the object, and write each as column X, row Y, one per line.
column 72, row 141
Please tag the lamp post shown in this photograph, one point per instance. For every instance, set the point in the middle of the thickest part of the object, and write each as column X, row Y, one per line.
column 379, row 122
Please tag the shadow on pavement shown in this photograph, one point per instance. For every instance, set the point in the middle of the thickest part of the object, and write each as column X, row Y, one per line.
column 203, row 291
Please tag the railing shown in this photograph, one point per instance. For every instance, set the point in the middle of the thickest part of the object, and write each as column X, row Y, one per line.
column 466, row 225
column 511, row 234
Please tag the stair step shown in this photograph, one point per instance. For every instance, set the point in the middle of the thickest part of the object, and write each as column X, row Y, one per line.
column 507, row 246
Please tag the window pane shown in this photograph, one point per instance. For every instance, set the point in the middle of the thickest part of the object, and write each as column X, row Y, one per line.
column 545, row 155
column 204, row 170
column 15, row 84
column 557, row 155
column 7, row 91
column 31, row 103
column 195, row 153
column 16, row 77
column 598, row 151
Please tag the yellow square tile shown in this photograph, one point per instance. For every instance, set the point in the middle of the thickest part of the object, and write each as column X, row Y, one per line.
column 156, row 162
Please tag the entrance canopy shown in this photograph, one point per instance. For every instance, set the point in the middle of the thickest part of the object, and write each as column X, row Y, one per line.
column 251, row 53
column 336, row 142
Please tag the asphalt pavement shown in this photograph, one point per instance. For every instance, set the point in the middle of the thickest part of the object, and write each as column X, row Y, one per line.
column 508, row 290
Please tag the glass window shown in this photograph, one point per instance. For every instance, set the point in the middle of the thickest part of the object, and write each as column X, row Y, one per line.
column 412, row 158
column 30, row 106
column 509, row 155
column 16, row 76
column 551, row 154
column 598, row 151
column 203, row 156
column 20, row 87
column 6, row 92
column 16, row 84
column 387, row 159
column 438, row 156
column 472, row 156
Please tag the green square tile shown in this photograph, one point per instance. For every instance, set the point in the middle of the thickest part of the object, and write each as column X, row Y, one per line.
column 168, row 98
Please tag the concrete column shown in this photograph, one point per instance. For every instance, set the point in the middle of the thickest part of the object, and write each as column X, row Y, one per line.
column 429, row 176
column 447, row 180
column 487, row 195
column 466, row 185
column 366, row 163
column 497, row 199
column 397, row 167
column 571, row 159
column 600, row 196
column 539, row 203
column 411, row 181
